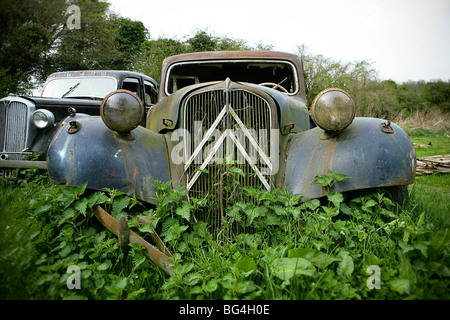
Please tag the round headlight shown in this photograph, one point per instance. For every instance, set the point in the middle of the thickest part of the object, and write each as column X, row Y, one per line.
column 333, row 109
column 43, row 119
column 122, row 111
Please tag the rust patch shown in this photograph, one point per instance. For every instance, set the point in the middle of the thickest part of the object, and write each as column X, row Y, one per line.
column 328, row 161
column 74, row 127
column 134, row 174
column 153, row 254
column 386, row 127
column 124, row 235
column 329, row 155
column 283, row 164
column 401, row 182
column 73, row 168
column 167, row 122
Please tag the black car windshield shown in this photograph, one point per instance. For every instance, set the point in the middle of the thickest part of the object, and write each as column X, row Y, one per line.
column 79, row 87
column 187, row 73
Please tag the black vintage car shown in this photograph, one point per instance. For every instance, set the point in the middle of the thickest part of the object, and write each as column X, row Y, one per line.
column 240, row 109
column 27, row 123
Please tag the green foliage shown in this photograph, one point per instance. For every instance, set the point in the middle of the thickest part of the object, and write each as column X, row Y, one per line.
column 436, row 94
column 24, row 176
column 329, row 179
column 46, row 229
column 430, row 194
column 292, row 250
column 430, row 144
column 374, row 97
column 27, row 36
column 154, row 51
column 203, row 41
column 98, row 44
column 130, row 35
column 36, row 41
column 321, row 73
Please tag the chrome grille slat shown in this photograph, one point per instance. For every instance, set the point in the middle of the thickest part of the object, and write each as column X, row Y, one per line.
column 254, row 113
column 14, row 124
column 2, row 125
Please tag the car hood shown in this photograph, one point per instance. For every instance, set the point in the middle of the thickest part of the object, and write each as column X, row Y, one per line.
column 59, row 106
column 165, row 114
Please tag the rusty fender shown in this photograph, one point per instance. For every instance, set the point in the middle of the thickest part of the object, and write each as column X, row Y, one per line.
column 85, row 150
column 366, row 151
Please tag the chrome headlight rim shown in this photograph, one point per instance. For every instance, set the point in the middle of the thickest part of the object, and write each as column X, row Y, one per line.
column 43, row 119
column 330, row 124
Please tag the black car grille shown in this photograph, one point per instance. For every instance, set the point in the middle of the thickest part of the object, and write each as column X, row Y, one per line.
column 13, row 128
column 244, row 114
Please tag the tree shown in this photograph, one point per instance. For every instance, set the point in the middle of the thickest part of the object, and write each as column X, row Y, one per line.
column 130, row 35
column 321, row 73
column 436, row 94
column 37, row 40
column 408, row 97
column 379, row 99
column 150, row 58
column 28, row 31
column 202, row 41
column 93, row 46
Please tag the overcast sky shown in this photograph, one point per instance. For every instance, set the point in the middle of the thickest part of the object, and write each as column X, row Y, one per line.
column 404, row 39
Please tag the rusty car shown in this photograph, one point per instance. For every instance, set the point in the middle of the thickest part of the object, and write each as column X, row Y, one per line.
column 246, row 109
column 28, row 123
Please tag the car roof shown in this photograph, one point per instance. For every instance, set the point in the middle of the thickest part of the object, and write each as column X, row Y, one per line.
column 230, row 55
column 118, row 74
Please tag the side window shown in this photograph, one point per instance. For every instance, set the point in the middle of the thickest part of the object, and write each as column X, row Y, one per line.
column 151, row 95
column 131, row 84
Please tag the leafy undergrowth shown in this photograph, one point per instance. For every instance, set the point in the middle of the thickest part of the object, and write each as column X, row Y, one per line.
column 361, row 248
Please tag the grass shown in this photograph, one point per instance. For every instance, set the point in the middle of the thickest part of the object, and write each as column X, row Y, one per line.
column 300, row 251
column 431, row 193
column 430, row 144
column 12, row 234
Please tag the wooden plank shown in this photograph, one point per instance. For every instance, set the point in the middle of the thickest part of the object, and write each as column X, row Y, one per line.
column 432, row 164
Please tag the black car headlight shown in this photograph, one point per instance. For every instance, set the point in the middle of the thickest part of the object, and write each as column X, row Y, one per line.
column 43, row 118
column 333, row 110
column 122, row 111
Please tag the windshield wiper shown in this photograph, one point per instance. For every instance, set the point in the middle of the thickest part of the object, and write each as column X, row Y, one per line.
column 70, row 90
column 87, row 98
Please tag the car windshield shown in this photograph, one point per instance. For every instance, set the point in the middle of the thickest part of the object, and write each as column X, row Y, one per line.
column 79, row 87
column 186, row 73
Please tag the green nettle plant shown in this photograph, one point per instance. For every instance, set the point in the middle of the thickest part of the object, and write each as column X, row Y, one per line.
column 362, row 248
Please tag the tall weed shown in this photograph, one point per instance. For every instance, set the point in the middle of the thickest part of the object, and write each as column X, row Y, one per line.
column 432, row 120
column 362, row 248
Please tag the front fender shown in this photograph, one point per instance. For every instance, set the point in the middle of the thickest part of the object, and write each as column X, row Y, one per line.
column 369, row 156
column 103, row 158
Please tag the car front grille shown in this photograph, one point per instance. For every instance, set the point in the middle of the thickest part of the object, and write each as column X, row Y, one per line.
column 237, row 124
column 13, row 128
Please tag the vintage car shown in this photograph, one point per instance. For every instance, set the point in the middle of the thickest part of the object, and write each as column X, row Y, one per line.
column 228, row 119
column 242, row 108
column 27, row 123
